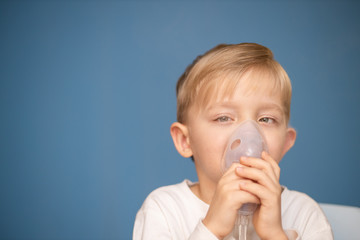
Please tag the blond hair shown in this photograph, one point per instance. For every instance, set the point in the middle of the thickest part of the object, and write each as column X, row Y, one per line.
column 222, row 68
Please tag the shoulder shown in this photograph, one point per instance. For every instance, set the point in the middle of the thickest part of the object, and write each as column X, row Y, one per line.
column 153, row 218
column 299, row 204
column 167, row 199
column 166, row 193
column 170, row 212
column 301, row 212
column 291, row 198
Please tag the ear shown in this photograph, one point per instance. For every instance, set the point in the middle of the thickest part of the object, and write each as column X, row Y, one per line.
column 180, row 135
column 290, row 139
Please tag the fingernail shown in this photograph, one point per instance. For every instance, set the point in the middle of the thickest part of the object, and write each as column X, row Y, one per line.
column 240, row 169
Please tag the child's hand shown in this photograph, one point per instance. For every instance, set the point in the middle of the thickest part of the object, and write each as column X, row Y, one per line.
column 228, row 198
column 265, row 174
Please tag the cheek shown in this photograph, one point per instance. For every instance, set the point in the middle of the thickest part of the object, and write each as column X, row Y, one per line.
column 275, row 144
column 208, row 141
column 208, row 149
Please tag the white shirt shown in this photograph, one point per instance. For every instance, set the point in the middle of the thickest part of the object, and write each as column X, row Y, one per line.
column 175, row 212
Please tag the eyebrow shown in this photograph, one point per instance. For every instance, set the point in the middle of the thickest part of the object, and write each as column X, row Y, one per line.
column 233, row 105
column 222, row 104
column 273, row 106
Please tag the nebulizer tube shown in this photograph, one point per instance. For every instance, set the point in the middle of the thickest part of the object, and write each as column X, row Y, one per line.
column 247, row 140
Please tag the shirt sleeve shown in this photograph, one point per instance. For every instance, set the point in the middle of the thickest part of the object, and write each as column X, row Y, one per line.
column 325, row 234
column 150, row 223
column 303, row 215
column 292, row 235
column 202, row 233
column 317, row 226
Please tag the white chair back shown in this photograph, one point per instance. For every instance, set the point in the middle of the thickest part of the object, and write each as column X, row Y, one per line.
column 344, row 220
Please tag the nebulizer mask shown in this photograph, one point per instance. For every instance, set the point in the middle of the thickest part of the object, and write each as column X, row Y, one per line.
column 247, row 140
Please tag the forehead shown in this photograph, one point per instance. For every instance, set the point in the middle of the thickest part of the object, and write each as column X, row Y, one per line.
column 253, row 82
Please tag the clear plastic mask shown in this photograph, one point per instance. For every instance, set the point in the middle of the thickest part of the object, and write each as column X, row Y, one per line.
column 247, row 140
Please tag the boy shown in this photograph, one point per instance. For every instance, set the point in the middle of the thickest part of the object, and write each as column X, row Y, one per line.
column 221, row 89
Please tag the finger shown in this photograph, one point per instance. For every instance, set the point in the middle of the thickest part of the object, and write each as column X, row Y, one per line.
column 275, row 165
column 258, row 176
column 264, row 194
column 244, row 196
column 229, row 192
column 229, row 173
column 261, row 165
column 230, row 180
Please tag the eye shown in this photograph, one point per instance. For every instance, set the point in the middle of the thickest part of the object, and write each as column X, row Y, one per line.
column 267, row 120
column 223, row 119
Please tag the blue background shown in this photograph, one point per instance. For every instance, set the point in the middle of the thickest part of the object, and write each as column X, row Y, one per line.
column 87, row 96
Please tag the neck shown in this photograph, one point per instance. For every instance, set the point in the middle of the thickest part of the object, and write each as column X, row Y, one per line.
column 204, row 191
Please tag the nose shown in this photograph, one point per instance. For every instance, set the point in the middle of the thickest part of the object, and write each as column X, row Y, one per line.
column 247, row 140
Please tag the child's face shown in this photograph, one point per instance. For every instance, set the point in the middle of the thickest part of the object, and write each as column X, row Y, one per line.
column 210, row 128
